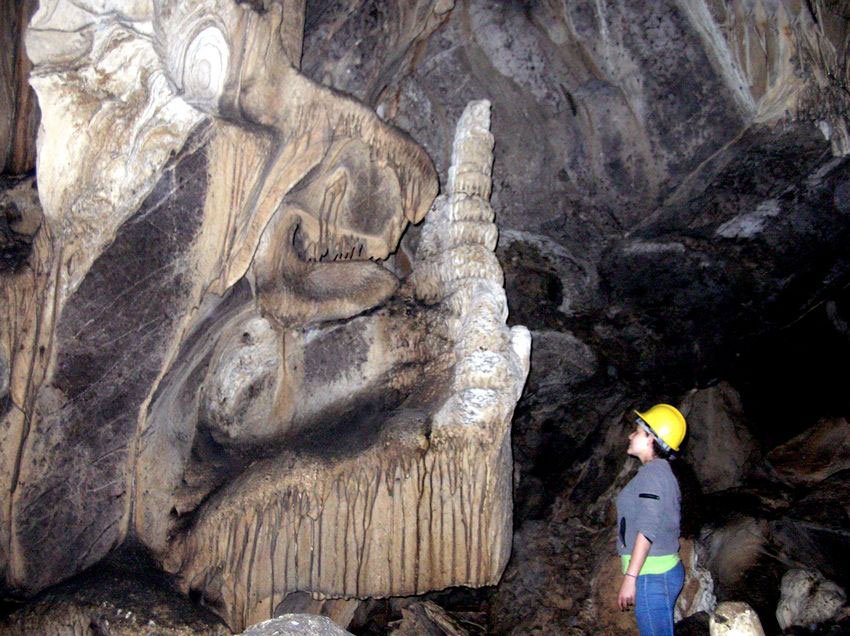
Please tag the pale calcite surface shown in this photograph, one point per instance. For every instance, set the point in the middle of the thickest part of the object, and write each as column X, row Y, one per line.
column 206, row 356
column 735, row 618
column 808, row 598
column 429, row 504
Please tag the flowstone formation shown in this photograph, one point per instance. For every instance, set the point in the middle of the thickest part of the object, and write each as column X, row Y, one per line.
column 427, row 501
column 211, row 348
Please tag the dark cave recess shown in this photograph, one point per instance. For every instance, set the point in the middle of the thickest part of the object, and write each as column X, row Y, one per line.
column 791, row 378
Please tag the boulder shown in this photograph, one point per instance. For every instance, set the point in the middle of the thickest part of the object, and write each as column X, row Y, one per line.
column 732, row 549
column 296, row 625
column 339, row 610
column 426, row 619
column 718, row 445
column 698, row 591
column 734, row 618
column 808, row 599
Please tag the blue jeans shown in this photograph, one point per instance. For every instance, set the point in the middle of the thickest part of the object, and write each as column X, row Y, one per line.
column 655, row 599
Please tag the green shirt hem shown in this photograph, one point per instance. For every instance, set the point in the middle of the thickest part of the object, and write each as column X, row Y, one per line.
column 653, row 564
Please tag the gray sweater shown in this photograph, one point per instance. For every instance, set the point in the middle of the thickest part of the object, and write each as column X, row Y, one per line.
column 650, row 504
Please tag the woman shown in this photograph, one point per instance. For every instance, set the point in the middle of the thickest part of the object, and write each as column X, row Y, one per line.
column 648, row 510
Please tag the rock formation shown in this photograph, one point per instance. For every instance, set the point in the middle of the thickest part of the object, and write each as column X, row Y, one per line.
column 735, row 618
column 425, row 503
column 18, row 106
column 296, row 625
column 203, row 353
column 808, row 599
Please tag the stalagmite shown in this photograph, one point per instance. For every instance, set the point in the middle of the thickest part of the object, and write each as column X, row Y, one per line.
column 428, row 505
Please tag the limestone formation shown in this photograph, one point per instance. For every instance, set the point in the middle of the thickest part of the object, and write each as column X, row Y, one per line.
column 421, row 499
column 18, row 106
column 783, row 60
column 735, row 618
column 808, row 599
column 201, row 300
column 295, row 625
column 201, row 350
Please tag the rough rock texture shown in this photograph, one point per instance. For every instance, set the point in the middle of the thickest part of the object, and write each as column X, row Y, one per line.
column 808, row 599
column 121, row 597
column 754, row 534
column 296, row 625
column 735, row 618
column 606, row 585
column 20, row 220
column 426, row 618
column 721, row 449
column 815, row 455
column 697, row 595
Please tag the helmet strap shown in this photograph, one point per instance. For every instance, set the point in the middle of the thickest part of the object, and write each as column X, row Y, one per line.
column 640, row 422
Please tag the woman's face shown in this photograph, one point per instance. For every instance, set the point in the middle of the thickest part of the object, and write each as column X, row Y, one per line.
column 640, row 444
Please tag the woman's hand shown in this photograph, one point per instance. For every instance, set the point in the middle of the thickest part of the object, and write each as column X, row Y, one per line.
column 626, row 597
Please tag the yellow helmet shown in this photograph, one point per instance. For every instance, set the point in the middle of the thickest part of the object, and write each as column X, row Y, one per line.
column 666, row 424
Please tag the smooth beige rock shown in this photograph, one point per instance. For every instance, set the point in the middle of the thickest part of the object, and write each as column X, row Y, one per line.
column 734, row 618
column 427, row 505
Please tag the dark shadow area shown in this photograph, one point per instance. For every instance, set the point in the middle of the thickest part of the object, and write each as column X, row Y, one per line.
column 790, row 379
column 125, row 591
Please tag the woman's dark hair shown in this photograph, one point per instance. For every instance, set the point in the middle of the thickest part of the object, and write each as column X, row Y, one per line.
column 660, row 451
column 690, row 489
